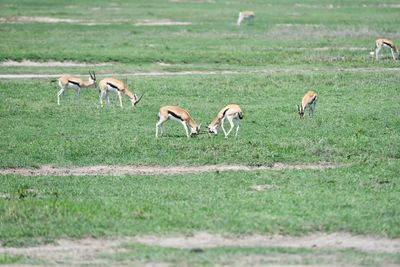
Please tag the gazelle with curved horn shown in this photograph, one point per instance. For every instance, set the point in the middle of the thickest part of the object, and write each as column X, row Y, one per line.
column 70, row 82
column 107, row 85
column 309, row 100
column 177, row 114
column 385, row 43
column 232, row 113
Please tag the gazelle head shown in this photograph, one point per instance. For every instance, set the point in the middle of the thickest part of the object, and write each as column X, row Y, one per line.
column 135, row 100
column 195, row 130
column 92, row 78
column 212, row 129
column 300, row 110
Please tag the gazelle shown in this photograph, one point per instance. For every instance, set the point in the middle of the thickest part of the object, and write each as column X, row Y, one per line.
column 245, row 15
column 177, row 114
column 385, row 43
column 232, row 113
column 70, row 82
column 309, row 100
column 107, row 85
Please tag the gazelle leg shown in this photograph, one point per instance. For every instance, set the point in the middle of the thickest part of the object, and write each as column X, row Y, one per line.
column 377, row 52
column 159, row 126
column 393, row 53
column 252, row 20
column 222, row 125
column 60, row 93
column 230, row 119
column 120, row 99
column 240, row 18
column 102, row 93
column 237, row 127
column 108, row 98
column 78, row 94
column 313, row 109
column 186, row 128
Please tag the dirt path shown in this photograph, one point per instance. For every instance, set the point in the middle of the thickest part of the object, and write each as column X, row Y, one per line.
column 52, row 20
column 116, row 170
column 50, row 63
column 213, row 72
column 90, row 251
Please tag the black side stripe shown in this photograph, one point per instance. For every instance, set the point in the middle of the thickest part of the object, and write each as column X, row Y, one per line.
column 312, row 101
column 113, row 86
column 174, row 115
column 223, row 114
column 388, row 44
column 75, row 83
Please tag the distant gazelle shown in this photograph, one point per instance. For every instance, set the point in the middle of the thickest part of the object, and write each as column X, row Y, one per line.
column 232, row 113
column 309, row 100
column 385, row 43
column 245, row 15
column 108, row 85
column 177, row 114
column 70, row 82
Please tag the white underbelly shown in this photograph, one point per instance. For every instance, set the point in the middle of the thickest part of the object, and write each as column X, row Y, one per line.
column 70, row 86
column 112, row 89
column 173, row 118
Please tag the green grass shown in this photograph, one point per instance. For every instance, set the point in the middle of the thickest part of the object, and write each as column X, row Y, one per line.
column 348, row 125
column 358, row 199
column 11, row 259
column 307, row 46
column 283, row 33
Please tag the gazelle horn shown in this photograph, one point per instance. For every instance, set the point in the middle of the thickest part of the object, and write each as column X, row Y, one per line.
column 137, row 102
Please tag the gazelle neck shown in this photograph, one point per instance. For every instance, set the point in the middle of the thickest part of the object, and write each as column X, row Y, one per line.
column 192, row 124
column 215, row 121
column 131, row 95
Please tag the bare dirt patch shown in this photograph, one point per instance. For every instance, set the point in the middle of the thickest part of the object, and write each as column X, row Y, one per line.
column 27, row 19
column 161, row 22
column 322, row 6
column 316, row 240
column 110, row 170
column 51, row 63
column 389, row 5
column 144, row 22
column 95, row 251
column 214, row 72
column 319, row 30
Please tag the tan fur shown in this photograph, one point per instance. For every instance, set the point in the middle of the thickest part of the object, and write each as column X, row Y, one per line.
column 308, row 101
column 122, row 88
column 67, row 82
column 245, row 15
column 231, row 112
column 184, row 117
column 385, row 43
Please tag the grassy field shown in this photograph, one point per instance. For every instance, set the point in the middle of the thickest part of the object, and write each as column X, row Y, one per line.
column 291, row 48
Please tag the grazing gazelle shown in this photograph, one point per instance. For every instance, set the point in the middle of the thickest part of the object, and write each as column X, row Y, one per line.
column 70, row 82
column 232, row 113
column 245, row 15
column 385, row 43
column 113, row 85
column 177, row 114
column 309, row 100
